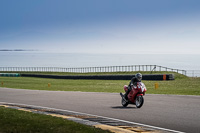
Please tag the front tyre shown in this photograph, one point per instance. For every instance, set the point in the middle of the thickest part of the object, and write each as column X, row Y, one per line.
column 139, row 101
column 124, row 103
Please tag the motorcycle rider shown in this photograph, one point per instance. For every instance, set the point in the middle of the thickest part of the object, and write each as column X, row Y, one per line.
column 134, row 80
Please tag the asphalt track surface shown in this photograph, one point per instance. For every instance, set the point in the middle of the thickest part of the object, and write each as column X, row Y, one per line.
column 179, row 113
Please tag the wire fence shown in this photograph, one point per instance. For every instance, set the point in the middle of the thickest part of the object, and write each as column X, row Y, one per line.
column 129, row 68
column 193, row 73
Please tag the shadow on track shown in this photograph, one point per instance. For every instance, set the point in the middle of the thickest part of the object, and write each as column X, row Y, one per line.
column 121, row 107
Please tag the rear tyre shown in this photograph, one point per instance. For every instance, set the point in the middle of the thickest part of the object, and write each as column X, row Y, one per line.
column 139, row 101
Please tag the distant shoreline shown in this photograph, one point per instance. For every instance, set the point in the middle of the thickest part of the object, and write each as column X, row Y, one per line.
column 5, row 50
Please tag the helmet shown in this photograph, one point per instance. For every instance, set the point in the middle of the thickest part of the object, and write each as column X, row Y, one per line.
column 138, row 76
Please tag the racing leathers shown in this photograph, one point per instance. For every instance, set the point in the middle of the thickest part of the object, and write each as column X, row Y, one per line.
column 133, row 81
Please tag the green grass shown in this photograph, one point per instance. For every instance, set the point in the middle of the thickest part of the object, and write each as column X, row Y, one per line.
column 182, row 85
column 190, row 86
column 62, row 84
column 15, row 121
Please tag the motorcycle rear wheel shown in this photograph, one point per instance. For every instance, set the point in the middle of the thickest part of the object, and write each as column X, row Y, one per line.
column 139, row 101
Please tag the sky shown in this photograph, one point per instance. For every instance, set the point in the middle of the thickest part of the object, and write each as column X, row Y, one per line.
column 101, row 26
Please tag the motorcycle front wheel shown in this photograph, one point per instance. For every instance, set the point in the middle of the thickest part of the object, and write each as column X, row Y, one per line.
column 124, row 103
column 139, row 101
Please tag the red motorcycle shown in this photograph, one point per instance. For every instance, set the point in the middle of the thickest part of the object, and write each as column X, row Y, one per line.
column 135, row 96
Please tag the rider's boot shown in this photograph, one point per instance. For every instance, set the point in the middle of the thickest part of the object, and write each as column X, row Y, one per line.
column 126, row 95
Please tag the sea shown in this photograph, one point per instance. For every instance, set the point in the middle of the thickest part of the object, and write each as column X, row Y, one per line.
column 189, row 62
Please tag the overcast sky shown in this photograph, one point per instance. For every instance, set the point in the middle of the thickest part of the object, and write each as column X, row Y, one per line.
column 101, row 26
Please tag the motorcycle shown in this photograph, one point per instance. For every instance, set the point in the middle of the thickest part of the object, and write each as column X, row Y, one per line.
column 135, row 96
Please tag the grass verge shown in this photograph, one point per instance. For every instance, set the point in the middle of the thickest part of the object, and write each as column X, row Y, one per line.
column 182, row 85
column 15, row 121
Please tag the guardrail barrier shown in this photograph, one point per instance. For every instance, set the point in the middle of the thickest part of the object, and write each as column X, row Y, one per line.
column 129, row 68
column 9, row 75
column 104, row 77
